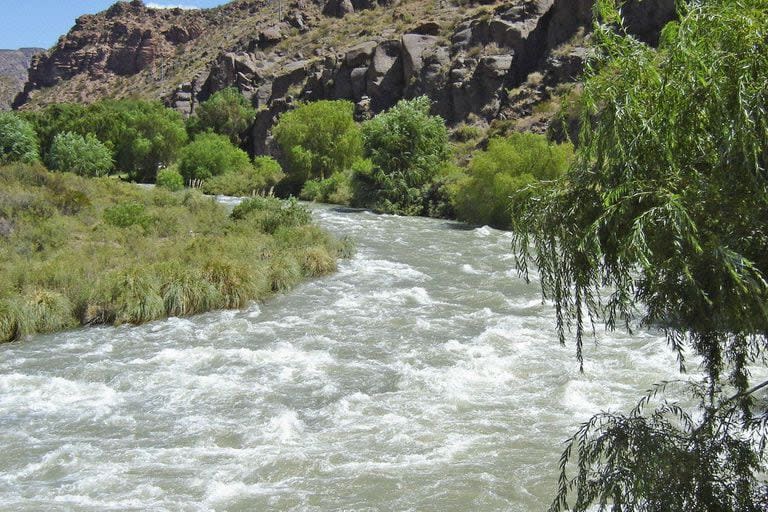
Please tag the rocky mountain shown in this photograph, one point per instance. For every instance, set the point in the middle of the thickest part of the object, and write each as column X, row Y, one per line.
column 478, row 61
column 13, row 73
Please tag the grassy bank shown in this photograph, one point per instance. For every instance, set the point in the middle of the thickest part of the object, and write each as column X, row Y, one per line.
column 76, row 251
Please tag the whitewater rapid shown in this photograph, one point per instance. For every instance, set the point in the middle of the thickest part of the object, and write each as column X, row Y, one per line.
column 424, row 376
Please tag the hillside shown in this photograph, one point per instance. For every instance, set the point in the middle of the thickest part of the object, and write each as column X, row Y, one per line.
column 476, row 61
column 13, row 73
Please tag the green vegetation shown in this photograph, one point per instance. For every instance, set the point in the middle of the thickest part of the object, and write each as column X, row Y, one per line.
column 77, row 251
column 143, row 135
column 318, row 139
column 407, row 148
column 335, row 190
column 85, row 156
column 18, row 141
column 261, row 177
column 212, row 155
column 227, row 112
column 666, row 206
column 506, row 167
column 170, row 179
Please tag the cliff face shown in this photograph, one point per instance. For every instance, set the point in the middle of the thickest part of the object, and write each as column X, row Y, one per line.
column 13, row 73
column 476, row 61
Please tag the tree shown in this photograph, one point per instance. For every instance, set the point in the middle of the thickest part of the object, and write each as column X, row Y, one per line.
column 507, row 166
column 667, row 208
column 18, row 141
column 227, row 112
column 407, row 147
column 318, row 139
column 85, row 156
column 170, row 179
column 144, row 135
column 212, row 155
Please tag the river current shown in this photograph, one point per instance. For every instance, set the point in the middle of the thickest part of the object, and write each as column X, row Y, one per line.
column 424, row 376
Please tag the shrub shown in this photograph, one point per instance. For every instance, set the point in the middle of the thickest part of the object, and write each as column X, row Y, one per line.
column 18, row 141
column 212, row 155
column 185, row 291
column 125, row 215
column 261, row 177
column 335, row 190
column 227, row 112
column 507, row 166
column 318, row 139
column 144, row 135
column 407, row 147
column 170, row 179
column 271, row 214
column 85, row 156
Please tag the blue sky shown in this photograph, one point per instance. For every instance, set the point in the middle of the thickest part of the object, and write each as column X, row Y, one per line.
column 39, row 23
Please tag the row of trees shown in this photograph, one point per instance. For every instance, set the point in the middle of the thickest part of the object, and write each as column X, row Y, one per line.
column 134, row 138
column 399, row 162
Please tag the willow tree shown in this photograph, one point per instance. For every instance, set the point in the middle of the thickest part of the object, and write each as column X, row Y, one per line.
column 663, row 221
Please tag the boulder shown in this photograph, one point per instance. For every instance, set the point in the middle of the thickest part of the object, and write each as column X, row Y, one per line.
column 427, row 28
column 338, row 8
column 385, row 75
column 360, row 55
column 269, row 37
column 294, row 74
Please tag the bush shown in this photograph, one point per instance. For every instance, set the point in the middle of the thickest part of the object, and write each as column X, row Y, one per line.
column 259, row 178
column 18, row 141
column 507, row 166
column 407, row 148
column 144, row 135
column 271, row 214
column 85, row 156
column 318, row 139
column 170, row 179
column 335, row 190
column 125, row 215
column 212, row 155
column 227, row 112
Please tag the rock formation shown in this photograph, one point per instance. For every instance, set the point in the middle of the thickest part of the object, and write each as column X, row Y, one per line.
column 477, row 62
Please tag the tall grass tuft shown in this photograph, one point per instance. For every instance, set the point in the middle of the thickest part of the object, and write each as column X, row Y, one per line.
column 15, row 320
column 185, row 291
column 49, row 311
column 132, row 296
column 234, row 283
column 284, row 272
column 316, row 262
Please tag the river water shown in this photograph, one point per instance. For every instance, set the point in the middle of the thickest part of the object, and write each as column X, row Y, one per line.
column 425, row 375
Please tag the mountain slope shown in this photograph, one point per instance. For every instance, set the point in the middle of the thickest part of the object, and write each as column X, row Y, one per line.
column 476, row 61
column 13, row 73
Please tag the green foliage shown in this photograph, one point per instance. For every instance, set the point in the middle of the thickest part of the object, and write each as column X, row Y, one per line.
column 667, row 208
column 227, row 112
column 212, row 155
column 506, row 167
column 18, row 141
column 144, row 135
column 334, row 190
column 81, row 251
column 170, row 179
column 85, row 156
column 271, row 214
column 407, row 148
column 261, row 177
column 125, row 215
column 318, row 139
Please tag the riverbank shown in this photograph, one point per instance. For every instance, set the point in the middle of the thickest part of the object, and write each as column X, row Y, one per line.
column 82, row 251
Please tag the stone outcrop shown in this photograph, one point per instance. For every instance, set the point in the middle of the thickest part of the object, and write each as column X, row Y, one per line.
column 13, row 73
column 475, row 63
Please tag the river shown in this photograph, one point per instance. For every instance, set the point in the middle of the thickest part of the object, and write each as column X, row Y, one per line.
column 424, row 376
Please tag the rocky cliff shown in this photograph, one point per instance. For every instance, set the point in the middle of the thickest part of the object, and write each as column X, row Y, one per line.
column 13, row 73
column 477, row 61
